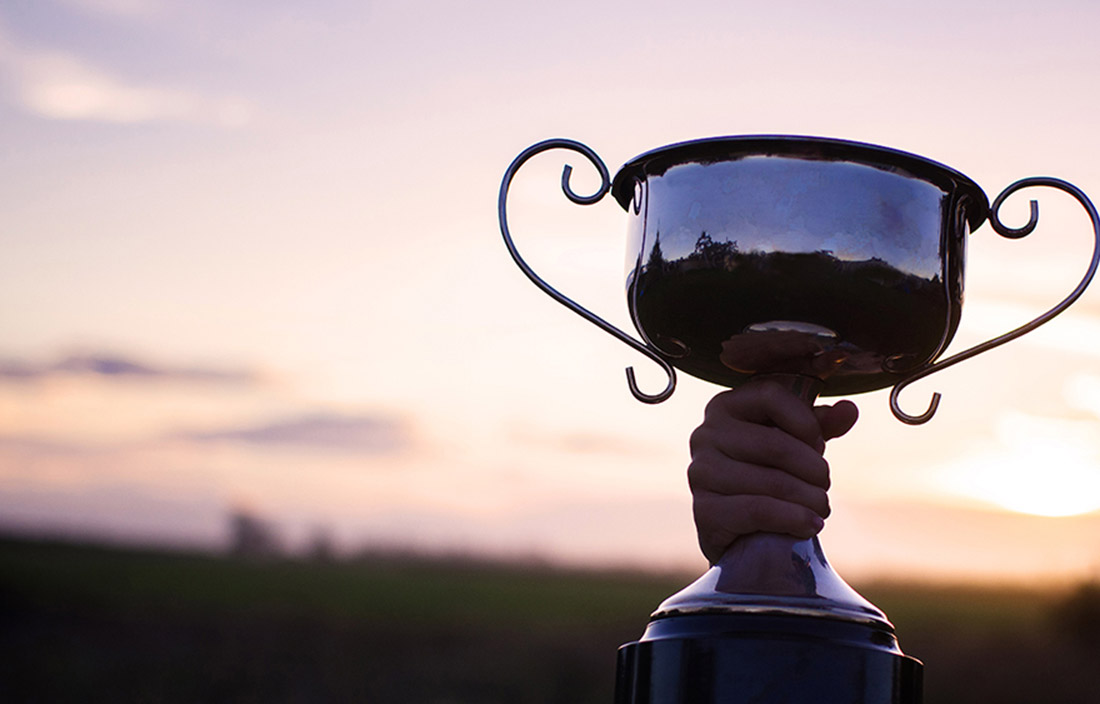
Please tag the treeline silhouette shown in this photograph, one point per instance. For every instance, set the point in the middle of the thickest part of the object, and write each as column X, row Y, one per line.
column 698, row 300
column 84, row 622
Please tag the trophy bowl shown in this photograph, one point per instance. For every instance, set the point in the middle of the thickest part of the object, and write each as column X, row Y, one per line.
column 836, row 260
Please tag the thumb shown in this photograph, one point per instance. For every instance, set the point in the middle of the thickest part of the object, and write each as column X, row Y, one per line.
column 836, row 420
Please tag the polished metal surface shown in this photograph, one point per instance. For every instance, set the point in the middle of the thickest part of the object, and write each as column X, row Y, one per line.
column 774, row 574
column 605, row 184
column 836, row 260
column 831, row 267
column 828, row 266
column 766, row 573
column 1011, row 233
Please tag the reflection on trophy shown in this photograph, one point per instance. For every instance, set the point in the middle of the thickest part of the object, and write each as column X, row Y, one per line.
column 832, row 268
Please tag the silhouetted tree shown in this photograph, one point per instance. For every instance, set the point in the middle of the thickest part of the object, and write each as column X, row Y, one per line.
column 321, row 546
column 252, row 537
column 1078, row 615
column 715, row 253
column 656, row 260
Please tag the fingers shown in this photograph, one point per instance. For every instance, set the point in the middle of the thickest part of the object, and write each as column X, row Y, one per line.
column 757, row 465
column 763, row 426
column 741, row 515
column 710, row 473
column 772, row 405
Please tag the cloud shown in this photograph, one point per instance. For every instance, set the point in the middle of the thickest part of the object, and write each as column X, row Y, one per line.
column 1075, row 333
column 921, row 540
column 22, row 447
column 118, row 367
column 366, row 434
column 115, row 510
column 583, row 442
column 1009, row 475
column 59, row 85
column 1083, row 392
column 118, row 8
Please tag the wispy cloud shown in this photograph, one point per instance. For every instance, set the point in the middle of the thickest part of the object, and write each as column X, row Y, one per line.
column 173, row 405
column 117, row 8
column 116, row 509
column 366, row 434
column 1076, row 333
column 1083, row 392
column 1007, row 474
column 116, row 366
column 21, row 447
column 61, row 85
column 582, row 442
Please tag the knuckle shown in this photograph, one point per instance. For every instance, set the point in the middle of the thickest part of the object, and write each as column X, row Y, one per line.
column 700, row 437
column 696, row 472
column 703, row 465
column 717, row 404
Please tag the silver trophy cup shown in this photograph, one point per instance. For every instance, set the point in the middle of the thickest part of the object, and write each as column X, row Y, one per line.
column 831, row 267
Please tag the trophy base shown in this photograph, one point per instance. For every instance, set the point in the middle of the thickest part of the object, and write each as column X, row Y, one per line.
column 765, row 659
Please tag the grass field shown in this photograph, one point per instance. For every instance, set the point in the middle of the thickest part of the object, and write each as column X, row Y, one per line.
column 82, row 623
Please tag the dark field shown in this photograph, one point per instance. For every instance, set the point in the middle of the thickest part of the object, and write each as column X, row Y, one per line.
column 81, row 623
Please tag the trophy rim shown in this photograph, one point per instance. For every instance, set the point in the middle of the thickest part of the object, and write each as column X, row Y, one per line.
column 730, row 148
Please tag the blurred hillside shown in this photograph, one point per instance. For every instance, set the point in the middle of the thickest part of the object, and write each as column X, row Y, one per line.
column 111, row 624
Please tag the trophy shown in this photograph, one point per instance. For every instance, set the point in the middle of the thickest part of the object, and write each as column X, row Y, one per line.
column 831, row 267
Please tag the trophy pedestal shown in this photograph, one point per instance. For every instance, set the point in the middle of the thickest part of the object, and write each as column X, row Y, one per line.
column 769, row 623
column 763, row 658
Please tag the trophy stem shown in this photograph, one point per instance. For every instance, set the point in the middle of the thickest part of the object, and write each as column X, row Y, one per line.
column 771, row 621
column 804, row 386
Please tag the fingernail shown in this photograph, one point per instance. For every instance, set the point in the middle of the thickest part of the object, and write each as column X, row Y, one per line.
column 819, row 523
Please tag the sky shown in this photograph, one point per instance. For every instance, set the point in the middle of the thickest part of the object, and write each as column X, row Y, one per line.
column 250, row 261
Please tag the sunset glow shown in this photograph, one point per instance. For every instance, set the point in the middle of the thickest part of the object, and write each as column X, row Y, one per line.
column 250, row 256
column 1041, row 467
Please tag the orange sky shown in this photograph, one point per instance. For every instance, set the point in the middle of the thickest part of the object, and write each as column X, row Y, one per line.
column 283, row 217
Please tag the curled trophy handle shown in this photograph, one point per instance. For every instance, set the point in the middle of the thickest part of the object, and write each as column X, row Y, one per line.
column 1011, row 233
column 605, row 186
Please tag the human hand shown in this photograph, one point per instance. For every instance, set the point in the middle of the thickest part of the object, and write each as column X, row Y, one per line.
column 757, row 465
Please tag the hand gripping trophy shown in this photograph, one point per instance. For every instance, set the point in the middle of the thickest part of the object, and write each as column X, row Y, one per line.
column 831, row 268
